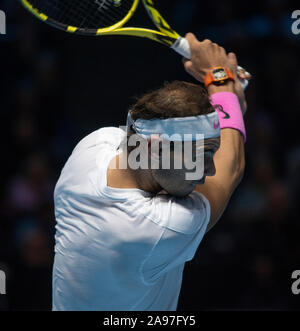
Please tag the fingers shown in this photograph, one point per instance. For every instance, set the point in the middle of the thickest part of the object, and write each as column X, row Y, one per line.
column 191, row 38
column 188, row 65
column 232, row 60
column 194, row 42
column 206, row 55
column 186, row 62
column 243, row 74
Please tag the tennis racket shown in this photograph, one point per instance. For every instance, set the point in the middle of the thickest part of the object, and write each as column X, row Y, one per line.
column 108, row 17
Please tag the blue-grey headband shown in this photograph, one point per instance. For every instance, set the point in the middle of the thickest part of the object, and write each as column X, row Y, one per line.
column 178, row 128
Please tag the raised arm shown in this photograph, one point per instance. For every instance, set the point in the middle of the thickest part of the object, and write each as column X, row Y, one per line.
column 229, row 163
column 229, row 159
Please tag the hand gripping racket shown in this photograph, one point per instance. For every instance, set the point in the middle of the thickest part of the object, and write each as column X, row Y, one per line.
column 108, row 17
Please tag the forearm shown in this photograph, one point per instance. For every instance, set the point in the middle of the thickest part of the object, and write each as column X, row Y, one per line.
column 230, row 158
column 229, row 163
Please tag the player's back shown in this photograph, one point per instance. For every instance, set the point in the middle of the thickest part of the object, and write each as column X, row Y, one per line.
column 119, row 249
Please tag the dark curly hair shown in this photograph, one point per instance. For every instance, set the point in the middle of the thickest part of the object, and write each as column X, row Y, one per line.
column 176, row 99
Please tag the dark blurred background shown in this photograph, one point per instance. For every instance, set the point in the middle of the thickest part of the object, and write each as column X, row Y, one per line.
column 56, row 88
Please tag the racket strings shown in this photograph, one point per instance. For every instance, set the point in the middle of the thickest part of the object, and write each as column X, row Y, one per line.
column 85, row 14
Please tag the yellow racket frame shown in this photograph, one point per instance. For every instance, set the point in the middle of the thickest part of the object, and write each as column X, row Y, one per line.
column 165, row 36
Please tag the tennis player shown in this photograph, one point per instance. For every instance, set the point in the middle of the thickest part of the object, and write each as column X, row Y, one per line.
column 123, row 234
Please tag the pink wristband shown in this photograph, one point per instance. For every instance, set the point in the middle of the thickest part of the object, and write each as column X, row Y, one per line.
column 230, row 115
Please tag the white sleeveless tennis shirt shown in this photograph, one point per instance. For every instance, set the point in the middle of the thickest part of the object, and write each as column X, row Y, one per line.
column 119, row 249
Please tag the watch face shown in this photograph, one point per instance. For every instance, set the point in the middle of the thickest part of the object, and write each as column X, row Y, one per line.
column 219, row 74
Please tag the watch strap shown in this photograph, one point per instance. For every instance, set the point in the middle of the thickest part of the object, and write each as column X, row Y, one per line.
column 211, row 77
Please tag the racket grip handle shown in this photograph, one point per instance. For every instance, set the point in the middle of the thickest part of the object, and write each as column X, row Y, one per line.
column 182, row 47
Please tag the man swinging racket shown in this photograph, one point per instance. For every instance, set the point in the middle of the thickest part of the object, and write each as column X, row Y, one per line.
column 124, row 233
